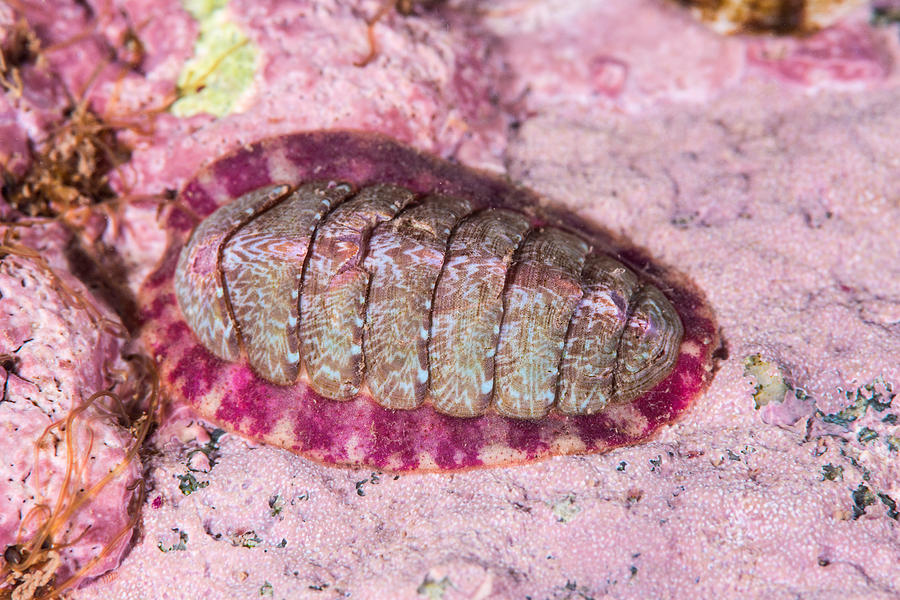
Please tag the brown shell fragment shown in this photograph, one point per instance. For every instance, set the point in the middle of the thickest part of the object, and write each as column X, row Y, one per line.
column 587, row 371
column 405, row 258
column 262, row 264
column 333, row 299
column 468, row 310
column 538, row 305
column 770, row 16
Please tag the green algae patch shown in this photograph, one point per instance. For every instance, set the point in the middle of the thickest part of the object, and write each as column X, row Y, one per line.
column 433, row 589
column 223, row 65
column 565, row 510
column 771, row 385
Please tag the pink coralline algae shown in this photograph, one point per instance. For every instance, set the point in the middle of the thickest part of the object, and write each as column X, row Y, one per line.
column 843, row 55
column 69, row 476
column 387, row 378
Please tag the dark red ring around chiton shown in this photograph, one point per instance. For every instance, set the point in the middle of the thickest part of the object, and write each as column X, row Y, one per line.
column 360, row 432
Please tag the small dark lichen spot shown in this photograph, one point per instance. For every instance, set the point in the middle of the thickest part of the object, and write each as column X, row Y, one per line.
column 832, row 473
column 891, row 506
column 893, row 443
column 862, row 497
column 656, row 463
column 276, row 505
column 878, row 395
column 247, row 539
column 824, row 562
column 866, row 474
column 180, row 545
column 374, row 478
column 266, row 589
column 581, row 592
column 622, row 466
column 866, row 435
column 188, row 484
column 890, row 419
column 210, row 448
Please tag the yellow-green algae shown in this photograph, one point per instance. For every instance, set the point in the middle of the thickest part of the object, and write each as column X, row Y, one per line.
column 565, row 510
column 433, row 589
column 223, row 65
column 771, row 386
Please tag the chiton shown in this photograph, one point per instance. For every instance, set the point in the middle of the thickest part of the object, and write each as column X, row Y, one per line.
column 358, row 302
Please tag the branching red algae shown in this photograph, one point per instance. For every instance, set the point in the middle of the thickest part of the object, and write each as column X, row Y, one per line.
column 70, row 169
column 403, row 7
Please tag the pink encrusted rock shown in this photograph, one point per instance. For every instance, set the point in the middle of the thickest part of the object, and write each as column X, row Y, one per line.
column 845, row 55
column 14, row 154
column 429, row 85
column 59, row 346
column 567, row 56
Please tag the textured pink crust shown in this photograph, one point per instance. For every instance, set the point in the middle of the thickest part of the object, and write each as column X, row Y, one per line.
column 360, row 432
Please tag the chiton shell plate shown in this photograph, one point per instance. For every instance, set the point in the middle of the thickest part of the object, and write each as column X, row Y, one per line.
column 313, row 296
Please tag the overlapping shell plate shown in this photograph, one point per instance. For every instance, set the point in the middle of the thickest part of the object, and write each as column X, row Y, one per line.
column 357, row 302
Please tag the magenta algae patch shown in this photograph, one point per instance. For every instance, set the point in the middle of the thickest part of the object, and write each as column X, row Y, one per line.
column 360, row 303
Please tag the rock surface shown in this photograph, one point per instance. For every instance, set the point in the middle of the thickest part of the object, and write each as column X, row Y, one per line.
column 765, row 169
